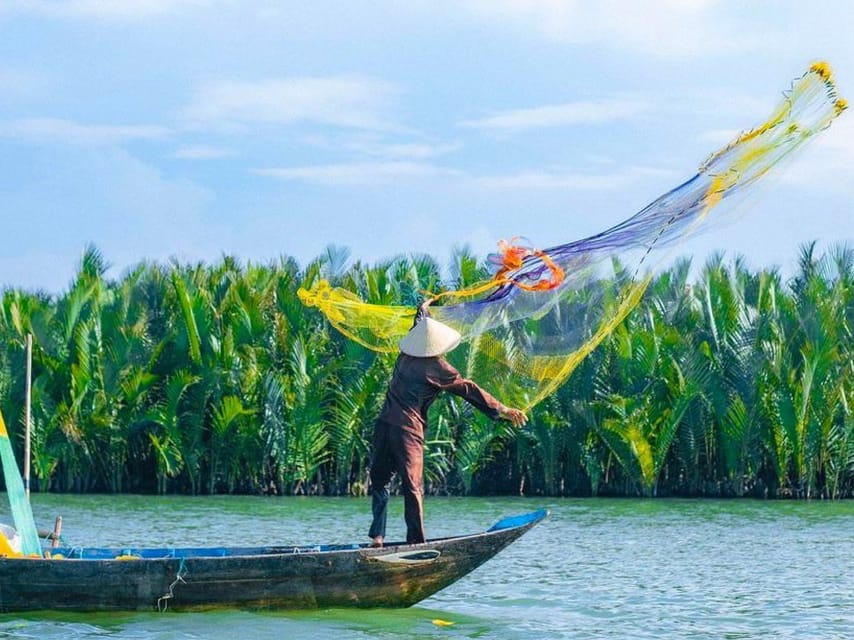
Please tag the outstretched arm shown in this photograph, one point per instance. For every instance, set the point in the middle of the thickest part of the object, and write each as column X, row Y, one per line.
column 445, row 377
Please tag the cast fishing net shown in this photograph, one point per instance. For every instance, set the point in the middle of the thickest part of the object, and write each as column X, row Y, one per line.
column 528, row 327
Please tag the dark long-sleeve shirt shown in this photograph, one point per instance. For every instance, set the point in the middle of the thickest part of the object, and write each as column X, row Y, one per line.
column 415, row 384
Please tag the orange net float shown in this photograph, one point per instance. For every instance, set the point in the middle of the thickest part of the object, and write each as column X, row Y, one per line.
column 511, row 258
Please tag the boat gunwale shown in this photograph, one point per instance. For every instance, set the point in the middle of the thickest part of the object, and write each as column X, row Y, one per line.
column 533, row 517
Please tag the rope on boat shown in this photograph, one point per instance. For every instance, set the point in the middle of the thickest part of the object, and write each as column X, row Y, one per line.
column 299, row 550
column 163, row 601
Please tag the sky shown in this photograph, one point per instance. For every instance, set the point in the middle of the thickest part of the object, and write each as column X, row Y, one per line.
column 193, row 129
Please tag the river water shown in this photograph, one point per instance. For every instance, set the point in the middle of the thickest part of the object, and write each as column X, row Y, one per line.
column 595, row 569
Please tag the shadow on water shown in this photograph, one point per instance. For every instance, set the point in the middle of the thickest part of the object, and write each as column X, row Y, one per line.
column 415, row 622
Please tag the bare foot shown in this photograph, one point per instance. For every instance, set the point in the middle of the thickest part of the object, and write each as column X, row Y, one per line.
column 377, row 542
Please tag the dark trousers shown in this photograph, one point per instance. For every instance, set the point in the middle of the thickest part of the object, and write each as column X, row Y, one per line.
column 397, row 450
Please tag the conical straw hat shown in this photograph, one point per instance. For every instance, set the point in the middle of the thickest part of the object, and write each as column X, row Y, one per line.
column 429, row 338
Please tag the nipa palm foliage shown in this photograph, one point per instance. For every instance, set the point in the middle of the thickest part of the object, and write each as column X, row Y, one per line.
column 211, row 378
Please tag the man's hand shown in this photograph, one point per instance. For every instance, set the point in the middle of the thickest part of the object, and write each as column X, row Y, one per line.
column 422, row 312
column 517, row 417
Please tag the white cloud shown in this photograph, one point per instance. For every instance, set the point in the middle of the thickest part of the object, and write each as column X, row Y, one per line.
column 202, row 152
column 719, row 137
column 116, row 10
column 726, row 102
column 411, row 151
column 377, row 145
column 373, row 173
column 569, row 180
column 343, row 101
column 667, row 28
column 559, row 115
column 68, row 131
column 105, row 196
column 357, row 174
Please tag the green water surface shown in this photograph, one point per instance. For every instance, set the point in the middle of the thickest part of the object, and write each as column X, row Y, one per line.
column 594, row 569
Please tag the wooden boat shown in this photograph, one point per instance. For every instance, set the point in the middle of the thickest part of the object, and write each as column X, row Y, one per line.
column 397, row 575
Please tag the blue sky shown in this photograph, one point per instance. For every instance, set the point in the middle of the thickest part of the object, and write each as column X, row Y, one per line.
column 194, row 128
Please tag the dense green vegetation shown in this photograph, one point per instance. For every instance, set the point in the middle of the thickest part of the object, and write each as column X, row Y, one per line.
column 214, row 378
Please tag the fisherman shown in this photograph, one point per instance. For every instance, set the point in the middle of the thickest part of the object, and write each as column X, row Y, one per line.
column 420, row 373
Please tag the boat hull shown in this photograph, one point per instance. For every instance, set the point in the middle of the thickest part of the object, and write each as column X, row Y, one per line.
column 257, row 578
